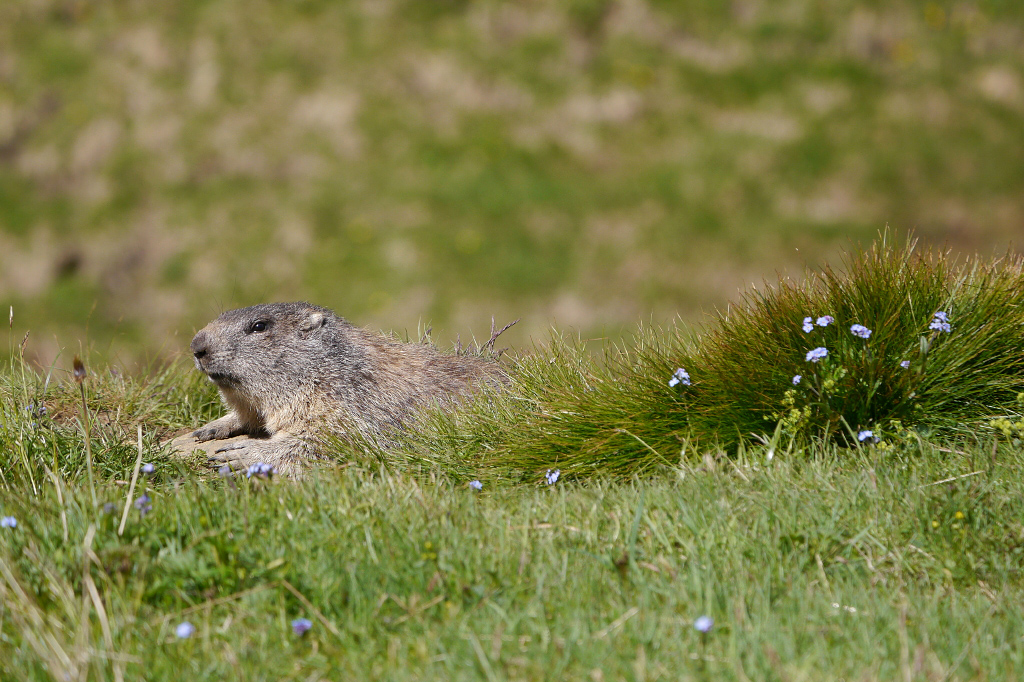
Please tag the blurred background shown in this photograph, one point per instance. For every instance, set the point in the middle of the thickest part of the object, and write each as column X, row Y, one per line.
column 582, row 164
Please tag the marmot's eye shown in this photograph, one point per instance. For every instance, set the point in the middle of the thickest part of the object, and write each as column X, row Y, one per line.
column 258, row 326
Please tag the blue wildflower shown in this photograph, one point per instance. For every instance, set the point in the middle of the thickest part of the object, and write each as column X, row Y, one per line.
column 825, row 320
column 817, row 354
column 940, row 322
column 8, row 522
column 260, row 470
column 147, row 468
column 905, row 364
column 476, row 485
column 704, row 624
column 301, row 626
column 864, row 435
column 109, row 508
column 143, row 505
column 552, row 476
column 184, row 630
column 680, row 376
column 797, row 378
column 808, row 325
column 860, row 330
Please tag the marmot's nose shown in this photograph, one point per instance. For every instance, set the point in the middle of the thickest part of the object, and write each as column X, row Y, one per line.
column 200, row 345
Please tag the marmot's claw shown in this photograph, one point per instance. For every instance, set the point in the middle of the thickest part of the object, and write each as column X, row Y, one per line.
column 233, row 446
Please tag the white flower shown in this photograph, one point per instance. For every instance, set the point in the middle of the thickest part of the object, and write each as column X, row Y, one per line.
column 185, row 630
column 704, row 624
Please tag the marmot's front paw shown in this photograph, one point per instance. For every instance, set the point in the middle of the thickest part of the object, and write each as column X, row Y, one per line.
column 218, row 429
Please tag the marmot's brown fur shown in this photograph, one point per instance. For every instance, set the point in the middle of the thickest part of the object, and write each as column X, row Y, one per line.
column 293, row 372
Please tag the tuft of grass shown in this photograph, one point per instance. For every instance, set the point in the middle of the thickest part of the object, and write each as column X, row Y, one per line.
column 619, row 414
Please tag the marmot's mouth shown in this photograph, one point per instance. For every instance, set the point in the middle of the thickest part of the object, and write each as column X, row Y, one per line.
column 221, row 378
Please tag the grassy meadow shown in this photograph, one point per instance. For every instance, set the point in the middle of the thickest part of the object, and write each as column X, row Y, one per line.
column 582, row 164
column 828, row 467
column 820, row 553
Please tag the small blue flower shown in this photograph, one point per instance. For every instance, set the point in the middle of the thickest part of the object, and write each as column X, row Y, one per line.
column 109, row 508
column 260, row 470
column 797, row 378
column 224, row 471
column 808, row 325
column 864, row 435
column 940, row 322
column 8, row 522
column 147, row 468
column 301, row 626
column 905, row 364
column 860, row 330
column 817, row 354
column 476, row 485
column 143, row 505
column 825, row 320
column 680, row 376
column 184, row 630
column 704, row 624
column 552, row 476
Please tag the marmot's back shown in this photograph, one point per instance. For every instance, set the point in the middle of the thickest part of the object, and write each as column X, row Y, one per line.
column 297, row 370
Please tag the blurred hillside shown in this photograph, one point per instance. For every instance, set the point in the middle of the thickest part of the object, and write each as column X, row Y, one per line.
column 582, row 163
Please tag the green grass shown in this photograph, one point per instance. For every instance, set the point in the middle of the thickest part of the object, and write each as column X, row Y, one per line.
column 618, row 415
column 816, row 558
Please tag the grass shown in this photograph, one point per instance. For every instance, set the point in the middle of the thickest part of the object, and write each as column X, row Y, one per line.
column 619, row 415
column 818, row 557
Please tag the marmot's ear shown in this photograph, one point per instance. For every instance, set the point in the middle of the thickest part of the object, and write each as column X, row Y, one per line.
column 314, row 320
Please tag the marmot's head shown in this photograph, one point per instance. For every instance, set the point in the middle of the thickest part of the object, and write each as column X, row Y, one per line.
column 263, row 348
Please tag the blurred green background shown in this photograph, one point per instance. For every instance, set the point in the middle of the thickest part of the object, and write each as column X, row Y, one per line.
column 584, row 164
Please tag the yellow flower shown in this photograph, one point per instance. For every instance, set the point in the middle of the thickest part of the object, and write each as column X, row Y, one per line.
column 958, row 515
column 935, row 524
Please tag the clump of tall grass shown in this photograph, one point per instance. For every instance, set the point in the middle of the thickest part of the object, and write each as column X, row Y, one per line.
column 897, row 341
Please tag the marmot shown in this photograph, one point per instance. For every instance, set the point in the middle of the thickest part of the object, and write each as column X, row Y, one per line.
column 291, row 372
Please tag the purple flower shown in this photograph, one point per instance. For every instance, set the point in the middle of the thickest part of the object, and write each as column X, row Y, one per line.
column 301, row 626
column 905, row 364
column 552, row 476
column 184, row 630
column 260, row 470
column 864, row 435
column 796, row 379
column 143, row 505
column 808, row 325
column 817, row 354
column 147, row 468
column 680, row 376
column 860, row 330
column 8, row 522
column 476, row 485
column 224, row 471
column 825, row 320
column 940, row 322
column 110, row 508
column 704, row 624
